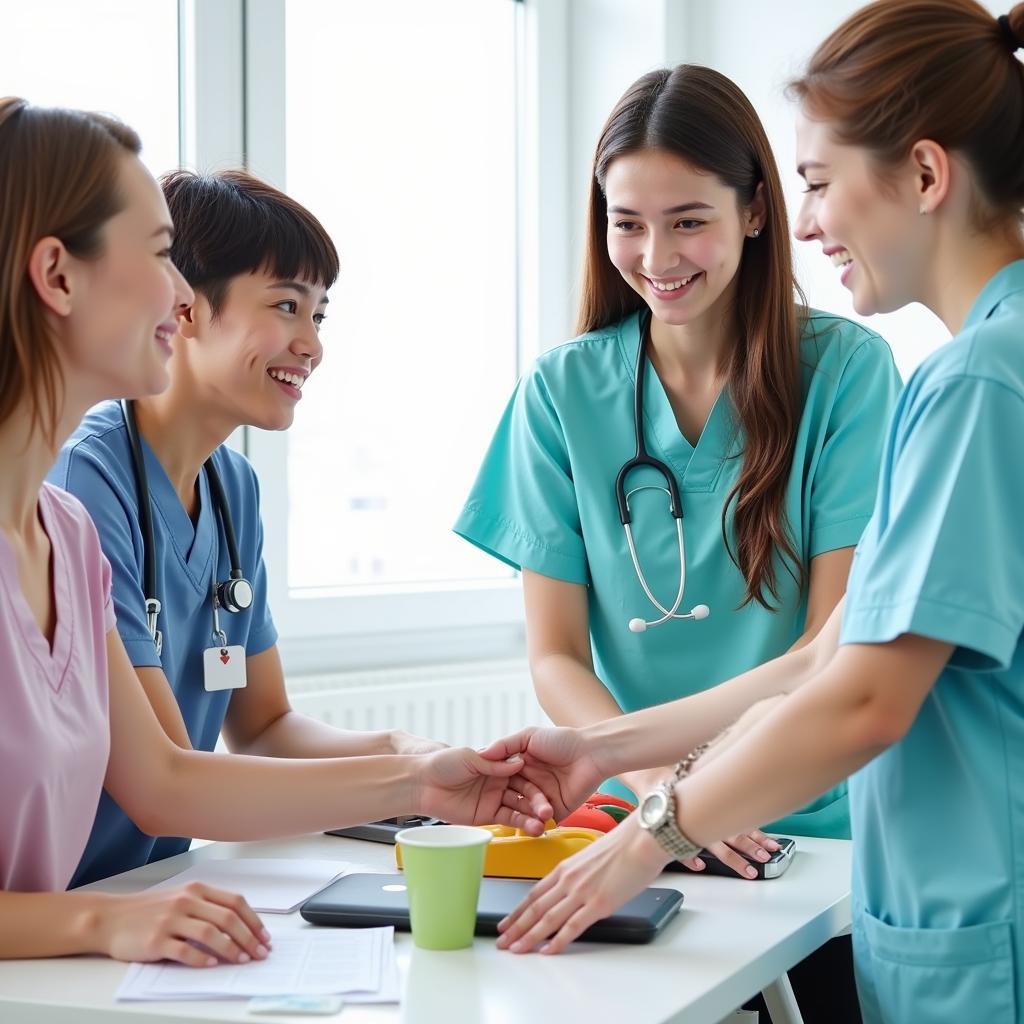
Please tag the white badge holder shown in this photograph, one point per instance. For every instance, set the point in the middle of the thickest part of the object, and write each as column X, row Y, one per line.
column 223, row 665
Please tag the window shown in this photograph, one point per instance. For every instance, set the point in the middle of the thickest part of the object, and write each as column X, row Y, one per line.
column 403, row 141
column 72, row 54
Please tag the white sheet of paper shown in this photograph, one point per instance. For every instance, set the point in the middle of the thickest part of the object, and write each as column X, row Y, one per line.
column 308, row 961
column 269, row 886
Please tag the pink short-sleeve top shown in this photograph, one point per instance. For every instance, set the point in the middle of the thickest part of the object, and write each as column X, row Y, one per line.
column 54, row 724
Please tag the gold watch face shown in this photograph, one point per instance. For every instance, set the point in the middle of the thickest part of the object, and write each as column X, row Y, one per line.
column 653, row 809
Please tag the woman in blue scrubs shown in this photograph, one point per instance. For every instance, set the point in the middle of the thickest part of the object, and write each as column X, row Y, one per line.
column 769, row 416
column 915, row 178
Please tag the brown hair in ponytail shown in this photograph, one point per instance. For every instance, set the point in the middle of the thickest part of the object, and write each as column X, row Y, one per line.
column 896, row 72
column 704, row 118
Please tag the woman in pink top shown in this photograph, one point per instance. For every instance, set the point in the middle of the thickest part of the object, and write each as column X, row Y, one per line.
column 87, row 307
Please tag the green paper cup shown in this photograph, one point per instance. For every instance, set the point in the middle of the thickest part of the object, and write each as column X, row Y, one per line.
column 443, row 866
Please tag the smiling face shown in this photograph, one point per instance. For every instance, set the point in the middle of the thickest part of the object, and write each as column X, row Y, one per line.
column 873, row 232
column 251, row 361
column 675, row 234
column 122, row 319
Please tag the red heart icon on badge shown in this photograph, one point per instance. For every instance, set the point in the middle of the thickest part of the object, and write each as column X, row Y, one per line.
column 224, row 656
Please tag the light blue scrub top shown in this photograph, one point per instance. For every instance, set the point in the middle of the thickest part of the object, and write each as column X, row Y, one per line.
column 545, row 500
column 938, row 819
column 95, row 465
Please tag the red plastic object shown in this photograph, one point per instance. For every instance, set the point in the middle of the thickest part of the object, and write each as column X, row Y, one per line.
column 589, row 815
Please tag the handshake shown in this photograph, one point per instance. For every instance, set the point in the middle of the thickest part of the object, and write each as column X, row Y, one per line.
column 541, row 773
column 522, row 780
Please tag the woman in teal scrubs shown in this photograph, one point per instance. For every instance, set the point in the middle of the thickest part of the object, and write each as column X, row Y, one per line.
column 915, row 179
column 770, row 417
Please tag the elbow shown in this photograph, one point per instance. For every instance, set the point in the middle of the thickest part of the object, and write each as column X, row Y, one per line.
column 153, row 803
column 880, row 726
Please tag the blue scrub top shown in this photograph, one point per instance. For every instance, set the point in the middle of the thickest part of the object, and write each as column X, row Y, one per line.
column 938, row 819
column 544, row 500
column 95, row 465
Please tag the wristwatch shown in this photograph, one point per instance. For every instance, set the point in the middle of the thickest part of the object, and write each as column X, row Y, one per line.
column 658, row 811
column 658, row 816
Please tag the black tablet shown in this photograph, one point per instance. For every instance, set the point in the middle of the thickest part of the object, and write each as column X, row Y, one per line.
column 360, row 901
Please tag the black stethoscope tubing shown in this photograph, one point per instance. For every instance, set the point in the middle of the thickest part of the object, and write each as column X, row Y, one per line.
column 235, row 594
column 642, row 456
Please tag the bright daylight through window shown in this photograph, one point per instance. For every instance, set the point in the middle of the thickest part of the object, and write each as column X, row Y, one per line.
column 401, row 137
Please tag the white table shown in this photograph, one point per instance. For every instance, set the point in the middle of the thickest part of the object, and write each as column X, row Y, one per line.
column 732, row 939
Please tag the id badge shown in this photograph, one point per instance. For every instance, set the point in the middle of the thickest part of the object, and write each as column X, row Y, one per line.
column 224, row 668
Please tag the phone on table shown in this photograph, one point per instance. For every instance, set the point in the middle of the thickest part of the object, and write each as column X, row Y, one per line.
column 772, row 868
column 385, row 830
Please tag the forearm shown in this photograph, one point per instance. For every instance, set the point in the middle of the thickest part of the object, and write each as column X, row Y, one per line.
column 665, row 733
column 813, row 740
column 234, row 797
column 297, row 735
column 37, row 924
column 569, row 691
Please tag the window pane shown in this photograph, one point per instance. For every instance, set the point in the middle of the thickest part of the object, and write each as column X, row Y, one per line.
column 401, row 137
column 116, row 56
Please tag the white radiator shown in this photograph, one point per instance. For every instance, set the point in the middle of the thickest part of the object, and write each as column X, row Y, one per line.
column 466, row 704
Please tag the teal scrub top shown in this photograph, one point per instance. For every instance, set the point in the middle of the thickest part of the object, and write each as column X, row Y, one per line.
column 938, row 819
column 544, row 500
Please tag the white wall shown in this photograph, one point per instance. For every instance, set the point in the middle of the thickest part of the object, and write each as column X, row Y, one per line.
column 758, row 45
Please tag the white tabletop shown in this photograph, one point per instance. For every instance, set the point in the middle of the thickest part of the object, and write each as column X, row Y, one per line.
column 731, row 939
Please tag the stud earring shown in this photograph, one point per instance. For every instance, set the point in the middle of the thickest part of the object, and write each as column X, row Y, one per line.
column 757, row 231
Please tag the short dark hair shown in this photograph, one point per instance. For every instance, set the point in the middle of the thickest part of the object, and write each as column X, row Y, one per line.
column 232, row 223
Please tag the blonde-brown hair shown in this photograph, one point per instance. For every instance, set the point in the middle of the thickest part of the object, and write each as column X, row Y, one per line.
column 897, row 71
column 59, row 177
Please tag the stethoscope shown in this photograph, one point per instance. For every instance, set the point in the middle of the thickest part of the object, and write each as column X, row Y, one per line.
column 675, row 504
column 233, row 594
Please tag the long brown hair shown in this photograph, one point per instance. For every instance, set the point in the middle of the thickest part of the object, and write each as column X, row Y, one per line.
column 897, row 72
column 704, row 118
column 59, row 177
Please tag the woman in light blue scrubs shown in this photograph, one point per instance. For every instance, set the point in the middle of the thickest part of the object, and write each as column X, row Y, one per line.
column 770, row 417
column 911, row 141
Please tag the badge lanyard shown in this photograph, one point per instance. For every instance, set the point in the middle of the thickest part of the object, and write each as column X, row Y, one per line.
column 223, row 664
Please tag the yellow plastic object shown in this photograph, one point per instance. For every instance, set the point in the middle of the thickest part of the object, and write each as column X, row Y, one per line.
column 513, row 854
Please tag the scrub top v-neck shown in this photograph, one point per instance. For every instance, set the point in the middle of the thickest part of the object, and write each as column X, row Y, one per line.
column 544, row 500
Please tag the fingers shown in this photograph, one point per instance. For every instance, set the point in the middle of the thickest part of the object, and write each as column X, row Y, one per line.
column 540, row 908
column 223, row 922
column 580, row 921
column 504, row 748
column 184, row 953
column 517, row 819
column 694, row 864
column 539, row 805
column 545, row 885
column 753, row 847
column 211, row 939
column 485, row 766
column 770, row 844
column 232, row 901
column 728, row 856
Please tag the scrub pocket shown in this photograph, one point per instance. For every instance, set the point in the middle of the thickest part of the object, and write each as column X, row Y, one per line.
column 933, row 975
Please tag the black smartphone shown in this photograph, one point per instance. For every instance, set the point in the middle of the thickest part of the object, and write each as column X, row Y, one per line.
column 383, row 831
column 772, row 868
